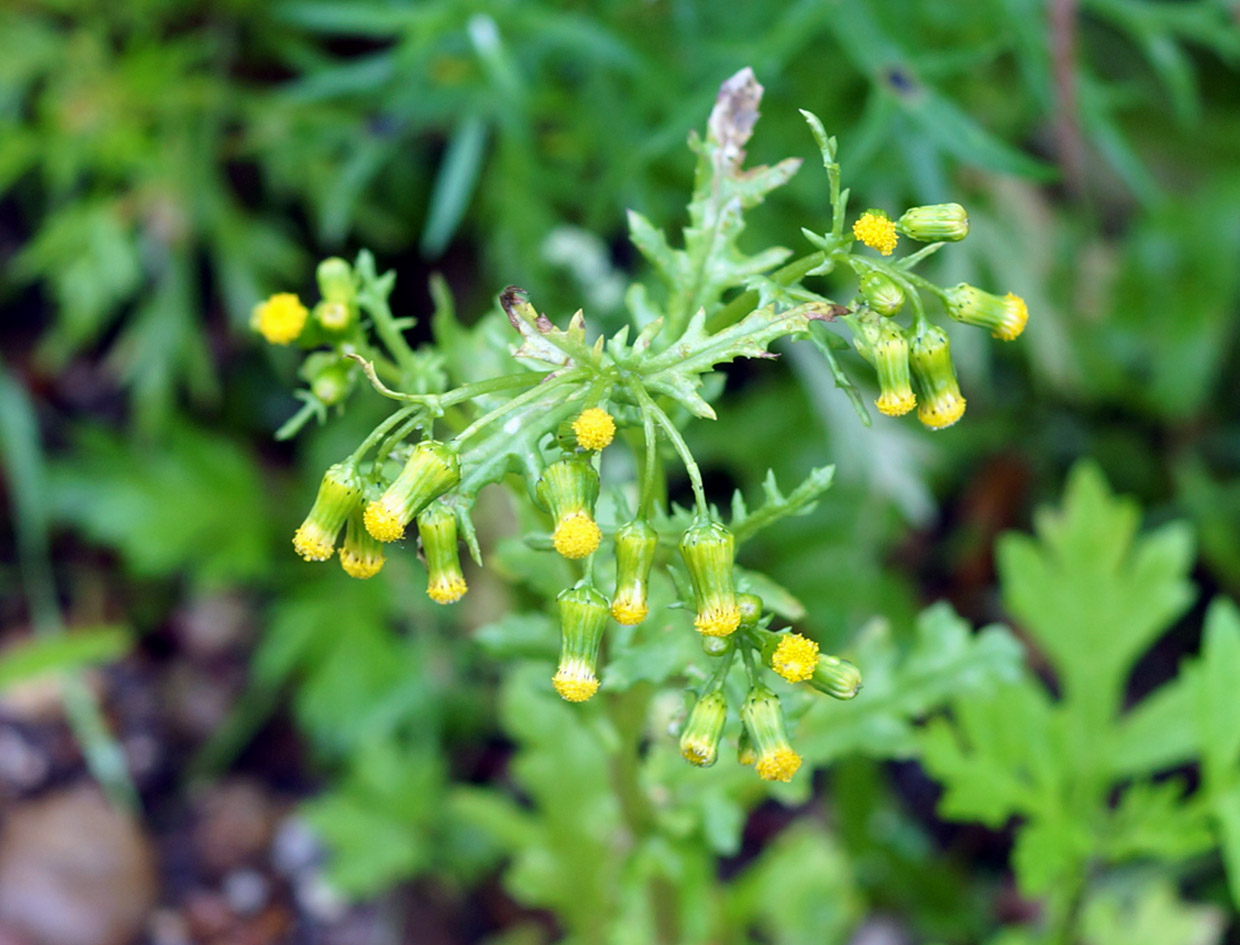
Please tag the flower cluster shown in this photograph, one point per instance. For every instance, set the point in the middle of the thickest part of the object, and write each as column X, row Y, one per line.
column 914, row 364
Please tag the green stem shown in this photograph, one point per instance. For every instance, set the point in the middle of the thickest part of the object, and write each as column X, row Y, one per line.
column 788, row 274
column 380, row 431
column 682, row 448
column 376, row 305
column 518, row 401
column 649, row 466
column 490, row 385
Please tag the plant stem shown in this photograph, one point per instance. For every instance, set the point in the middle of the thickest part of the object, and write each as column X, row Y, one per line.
column 744, row 303
column 686, row 457
column 518, row 401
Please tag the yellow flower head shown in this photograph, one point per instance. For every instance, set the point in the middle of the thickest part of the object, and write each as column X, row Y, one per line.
column 699, row 742
column 280, row 319
column 707, row 549
column 361, row 556
column 576, row 535
column 431, row 470
column 1004, row 318
column 339, row 494
column 595, row 429
column 875, row 229
column 795, row 658
column 890, row 350
column 575, row 681
column 779, row 764
column 764, row 723
column 583, row 617
column 939, row 402
column 437, row 530
column 636, row 543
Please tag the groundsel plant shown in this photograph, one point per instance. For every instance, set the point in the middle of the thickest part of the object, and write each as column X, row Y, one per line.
column 561, row 397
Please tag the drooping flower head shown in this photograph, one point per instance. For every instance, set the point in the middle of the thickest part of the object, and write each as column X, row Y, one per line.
column 764, row 721
column 699, row 741
column 836, row 677
column 431, row 470
column 583, row 617
column 569, row 489
column 280, row 318
column 1004, row 317
column 891, row 364
column 437, row 529
column 940, row 222
column 361, row 555
column 939, row 401
column 636, row 543
column 594, row 429
column 875, row 229
column 708, row 551
column 339, row 493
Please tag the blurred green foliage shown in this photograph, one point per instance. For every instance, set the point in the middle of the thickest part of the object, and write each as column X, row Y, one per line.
column 164, row 164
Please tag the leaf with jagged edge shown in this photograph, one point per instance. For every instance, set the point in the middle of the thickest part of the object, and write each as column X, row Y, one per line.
column 745, row 524
column 676, row 371
column 710, row 263
column 543, row 345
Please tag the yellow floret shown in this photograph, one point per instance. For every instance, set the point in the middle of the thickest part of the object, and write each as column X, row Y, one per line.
column 699, row 751
column 576, row 536
column 941, row 413
column 360, row 566
column 1018, row 314
column 895, row 404
column 312, row 543
column 382, row 523
column 280, row 319
column 628, row 613
column 718, row 621
column 575, row 681
column 795, row 658
column 877, row 232
column 595, row 429
column 778, row 765
column 447, row 589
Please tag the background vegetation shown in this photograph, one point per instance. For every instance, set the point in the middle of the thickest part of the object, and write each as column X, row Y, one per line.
column 164, row 164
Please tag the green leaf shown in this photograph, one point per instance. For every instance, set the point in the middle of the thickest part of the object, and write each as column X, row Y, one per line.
column 1151, row 913
column 55, row 654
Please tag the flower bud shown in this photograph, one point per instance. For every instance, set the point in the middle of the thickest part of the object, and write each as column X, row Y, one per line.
column 891, row 353
column 636, row 543
column 699, row 742
column 939, row 401
column 361, row 556
column 940, row 222
column 339, row 493
column 836, row 677
column 437, row 529
column 1004, row 317
column 336, row 283
column 335, row 317
column 431, row 470
column 791, row 655
column 280, row 318
column 594, row 428
column 764, row 721
column 881, row 292
column 875, row 229
column 715, row 646
column 750, row 607
column 707, row 549
column 330, row 377
column 583, row 617
column 569, row 489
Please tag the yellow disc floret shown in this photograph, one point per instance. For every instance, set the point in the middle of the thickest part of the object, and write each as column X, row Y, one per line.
column 628, row 613
column 1018, row 316
column 447, row 589
column 875, row 229
column 575, row 681
column 795, row 658
column 941, row 412
column 576, row 536
column 778, row 765
column 595, row 429
column 280, row 319
column 718, row 621
column 361, row 566
column 894, row 403
column 312, row 543
column 383, row 523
